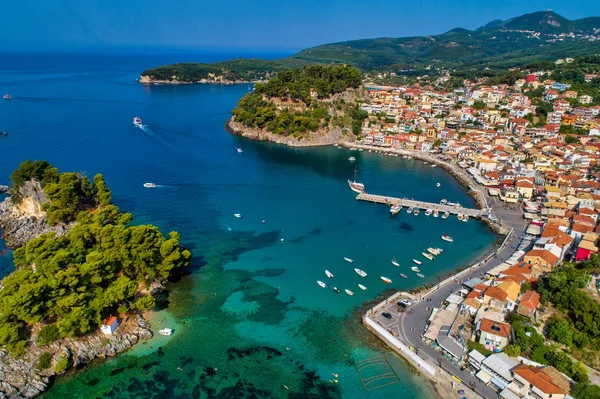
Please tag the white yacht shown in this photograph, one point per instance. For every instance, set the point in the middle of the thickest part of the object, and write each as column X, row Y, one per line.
column 415, row 269
column 386, row 280
column 428, row 212
column 428, row 256
column 445, row 215
column 149, row 185
column 349, row 260
column 447, row 238
column 395, row 209
column 360, row 272
column 237, row 215
column 166, row 331
column 420, row 275
column 329, row 274
column 349, row 292
column 322, row 284
column 137, row 122
column 395, row 262
column 362, row 287
column 418, row 262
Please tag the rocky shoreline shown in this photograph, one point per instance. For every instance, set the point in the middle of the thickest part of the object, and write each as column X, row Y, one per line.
column 20, row 378
column 145, row 79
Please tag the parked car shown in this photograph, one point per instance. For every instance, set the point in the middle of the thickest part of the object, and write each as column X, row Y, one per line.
column 406, row 302
column 386, row 315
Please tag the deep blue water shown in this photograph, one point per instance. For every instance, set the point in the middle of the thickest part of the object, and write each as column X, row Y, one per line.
column 247, row 289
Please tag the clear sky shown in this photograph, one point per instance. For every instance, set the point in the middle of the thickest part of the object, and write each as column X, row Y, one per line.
column 49, row 25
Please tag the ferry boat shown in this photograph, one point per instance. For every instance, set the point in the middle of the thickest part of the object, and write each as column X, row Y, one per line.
column 349, row 292
column 166, row 331
column 410, row 210
column 465, row 219
column 460, row 217
column 237, row 215
column 416, row 211
column 445, row 215
column 403, row 275
column 349, row 260
column 428, row 256
column 418, row 262
column 436, row 213
column 415, row 269
column 420, row 275
column 395, row 209
column 447, row 238
column 428, row 212
column 329, row 274
column 336, row 289
column 351, row 159
column 395, row 262
column 322, row 284
column 444, row 201
column 360, row 272
column 7, row 97
column 137, row 121
column 149, row 185
column 362, row 287
column 385, row 280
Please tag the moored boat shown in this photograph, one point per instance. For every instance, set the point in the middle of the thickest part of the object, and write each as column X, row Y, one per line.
column 351, row 159
column 349, row 260
column 428, row 212
column 237, row 215
column 415, row 269
column 444, row 201
column 436, row 213
column 420, row 275
column 435, row 251
column 395, row 262
column 166, row 331
column 418, row 262
column 322, row 284
column 465, row 219
column 362, row 287
column 445, row 215
column 336, row 289
column 385, row 280
column 403, row 275
column 460, row 217
column 349, row 292
column 410, row 210
column 416, row 211
column 356, row 186
column 428, row 256
column 329, row 274
column 447, row 238
column 395, row 209
column 149, row 185
column 360, row 272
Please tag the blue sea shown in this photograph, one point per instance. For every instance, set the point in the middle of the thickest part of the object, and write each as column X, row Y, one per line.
column 250, row 319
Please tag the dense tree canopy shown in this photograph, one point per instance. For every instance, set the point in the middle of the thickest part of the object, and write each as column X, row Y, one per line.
column 71, row 282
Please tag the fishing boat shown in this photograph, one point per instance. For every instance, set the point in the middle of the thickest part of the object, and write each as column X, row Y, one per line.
column 428, row 256
column 420, row 275
column 349, row 292
column 403, row 275
column 428, row 212
column 351, row 159
column 336, row 289
column 435, row 251
column 416, row 211
column 436, row 213
column 166, row 331
column 395, row 262
column 395, row 209
column 322, row 284
column 362, row 287
column 239, row 150
column 385, row 280
column 7, row 97
column 447, row 238
column 356, row 186
column 410, row 210
column 460, row 217
column 465, row 219
column 329, row 274
column 360, row 272
column 438, row 185
column 418, row 262
column 349, row 260
column 237, row 215
column 137, row 121
column 445, row 215
column 415, row 269
column 444, row 201
column 149, row 185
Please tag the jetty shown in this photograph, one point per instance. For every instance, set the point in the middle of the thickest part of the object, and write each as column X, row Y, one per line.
column 457, row 210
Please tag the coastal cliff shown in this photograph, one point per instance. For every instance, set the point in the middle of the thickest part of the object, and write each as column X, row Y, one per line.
column 22, row 378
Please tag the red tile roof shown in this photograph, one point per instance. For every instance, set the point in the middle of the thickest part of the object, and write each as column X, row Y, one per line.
column 530, row 299
column 536, row 377
column 494, row 327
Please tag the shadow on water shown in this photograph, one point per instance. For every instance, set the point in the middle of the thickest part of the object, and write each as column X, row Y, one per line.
column 405, row 227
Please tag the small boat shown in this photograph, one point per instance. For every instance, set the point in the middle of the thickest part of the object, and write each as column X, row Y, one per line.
column 410, row 210
column 438, row 185
column 149, row 185
column 395, row 209
column 282, row 240
column 362, row 287
column 329, row 274
column 395, row 262
column 420, row 275
column 239, row 150
column 349, row 292
column 228, row 228
column 7, row 97
column 237, row 215
column 385, row 280
column 403, row 275
column 360, row 272
column 137, row 121
column 336, row 289
column 433, row 166
column 416, row 211
column 418, row 262
column 428, row 212
column 428, row 256
column 444, row 201
column 425, row 163
column 166, row 331
column 445, row 215
column 436, row 213
column 356, row 187
column 349, row 260
column 353, row 148
column 322, row 284
column 415, row 269
column 447, row 238
column 435, row 251
column 465, row 219
column 460, row 217
column 351, row 159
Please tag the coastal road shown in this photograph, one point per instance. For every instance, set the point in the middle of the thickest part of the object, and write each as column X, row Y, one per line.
column 409, row 325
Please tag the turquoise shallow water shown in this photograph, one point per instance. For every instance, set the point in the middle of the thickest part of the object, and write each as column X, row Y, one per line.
column 250, row 319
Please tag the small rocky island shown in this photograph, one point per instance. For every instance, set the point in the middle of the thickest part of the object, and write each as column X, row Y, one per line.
column 309, row 106
column 82, row 276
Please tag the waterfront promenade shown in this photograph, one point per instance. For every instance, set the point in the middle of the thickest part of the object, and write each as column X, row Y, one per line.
column 456, row 210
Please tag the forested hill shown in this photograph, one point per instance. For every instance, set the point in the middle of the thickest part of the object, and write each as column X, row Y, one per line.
column 102, row 266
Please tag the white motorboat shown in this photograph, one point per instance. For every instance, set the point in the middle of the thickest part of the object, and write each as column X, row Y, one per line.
column 416, row 211
column 362, row 287
column 433, row 166
column 415, row 269
column 436, row 213
column 322, row 284
column 465, row 219
column 428, row 256
column 420, row 275
column 395, row 209
column 237, row 215
column 447, row 238
column 360, row 272
column 410, row 210
column 418, row 262
column 403, row 275
column 336, row 289
column 435, row 251
column 395, row 262
column 349, row 292
column 445, row 215
column 239, row 150
column 385, row 280
column 438, row 185
column 137, row 122
column 329, row 274
column 444, row 201
column 149, row 185
column 428, row 212
column 166, row 331
column 460, row 217
column 351, row 159
column 349, row 260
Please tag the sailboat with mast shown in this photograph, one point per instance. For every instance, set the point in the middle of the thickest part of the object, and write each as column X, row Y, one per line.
column 356, row 186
